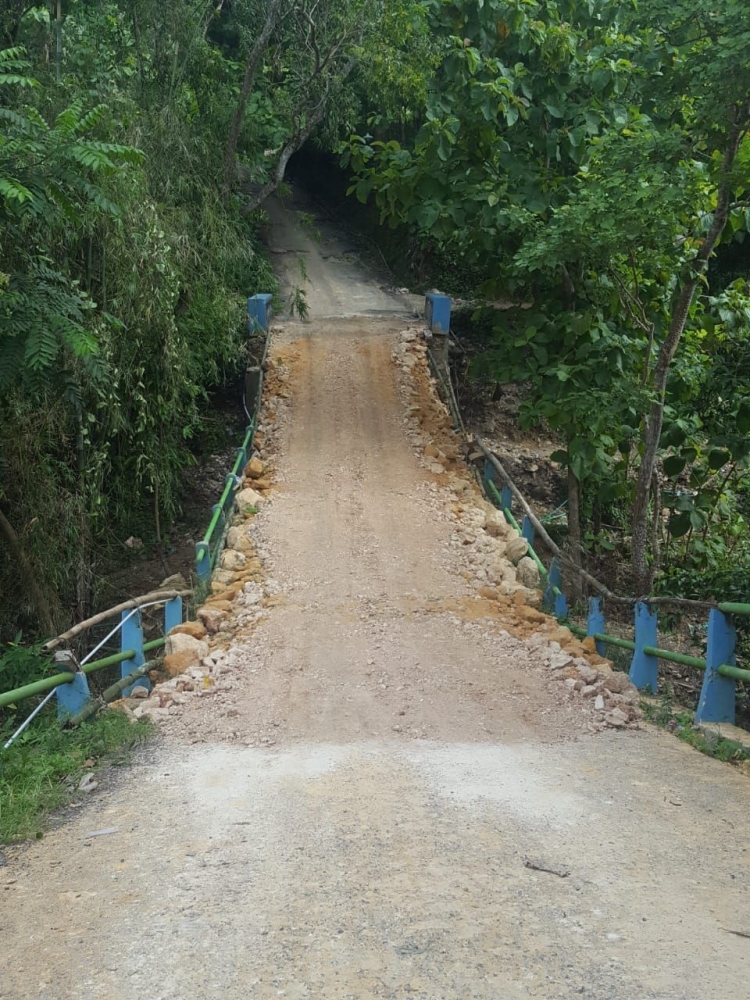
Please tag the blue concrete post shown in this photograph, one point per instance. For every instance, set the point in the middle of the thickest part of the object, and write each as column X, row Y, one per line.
column 527, row 530
column 716, row 702
column 596, row 623
column 506, row 498
column 557, row 603
column 437, row 310
column 131, row 637
column 644, row 668
column 259, row 312
column 70, row 697
column 488, row 476
column 203, row 561
column 172, row 614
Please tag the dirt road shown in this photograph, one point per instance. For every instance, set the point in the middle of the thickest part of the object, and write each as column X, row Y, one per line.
column 353, row 812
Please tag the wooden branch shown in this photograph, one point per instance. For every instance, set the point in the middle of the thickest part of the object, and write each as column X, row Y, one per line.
column 135, row 602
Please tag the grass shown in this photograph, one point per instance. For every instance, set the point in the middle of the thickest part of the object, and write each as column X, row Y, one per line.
column 41, row 771
column 666, row 714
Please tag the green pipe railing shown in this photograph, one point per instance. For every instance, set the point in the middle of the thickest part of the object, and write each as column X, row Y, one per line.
column 507, row 513
column 36, row 687
column 207, row 550
column 56, row 680
column 717, row 700
column 729, row 608
column 699, row 662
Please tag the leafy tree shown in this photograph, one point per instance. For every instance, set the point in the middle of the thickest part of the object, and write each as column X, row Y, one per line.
column 590, row 156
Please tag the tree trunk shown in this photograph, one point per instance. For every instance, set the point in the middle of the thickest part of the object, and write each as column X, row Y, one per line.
column 574, row 533
column 655, row 523
column 41, row 604
column 256, row 54
column 642, row 571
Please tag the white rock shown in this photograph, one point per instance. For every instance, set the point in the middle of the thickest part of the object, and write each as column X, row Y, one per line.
column 528, row 573
column 247, row 498
column 231, row 559
column 586, row 672
column 616, row 718
column 236, row 536
column 516, row 548
column 560, row 660
column 599, row 703
column 181, row 643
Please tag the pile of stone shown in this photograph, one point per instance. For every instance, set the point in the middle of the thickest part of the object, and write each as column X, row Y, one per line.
column 195, row 653
column 495, row 559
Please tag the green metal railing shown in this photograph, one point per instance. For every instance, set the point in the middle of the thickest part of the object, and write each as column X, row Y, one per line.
column 71, row 686
column 208, row 548
column 720, row 672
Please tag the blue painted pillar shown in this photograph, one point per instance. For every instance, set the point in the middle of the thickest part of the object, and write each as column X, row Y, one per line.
column 506, row 498
column 488, row 476
column 716, row 702
column 259, row 312
column 70, row 697
column 437, row 310
column 554, row 601
column 596, row 623
column 203, row 560
column 527, row 530
column 644, row 668
column 172, row 614
column 131, row 637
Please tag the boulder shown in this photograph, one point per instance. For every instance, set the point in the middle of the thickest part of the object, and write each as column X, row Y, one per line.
column 527, row 572
column 237, row 537
column 248, row 498
column 586, row 672
column 182, row 652
column 488, row 593
column 212, row 618
column 560, row 660
column 177, row 663
column 495, row 523
column 219, row 604
column 231, row 559
column 175, row 582
column 616, row 718
column 516, row 548
column 254, row 468
column 617, row 682
column 194, row 629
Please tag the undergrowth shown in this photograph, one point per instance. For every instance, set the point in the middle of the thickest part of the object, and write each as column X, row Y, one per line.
column 41, row 771
column 678, row 720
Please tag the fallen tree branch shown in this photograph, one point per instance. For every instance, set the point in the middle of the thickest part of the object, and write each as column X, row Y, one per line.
column 540, row 530
column 135, row 602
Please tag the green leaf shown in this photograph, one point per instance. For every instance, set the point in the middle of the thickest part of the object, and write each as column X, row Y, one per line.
column 673, row 465
column 679, row 524
column 717, row 458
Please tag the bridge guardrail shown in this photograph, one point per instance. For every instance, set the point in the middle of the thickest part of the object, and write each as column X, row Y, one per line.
column 70, row 686
column 717, row 700
column 207, row 550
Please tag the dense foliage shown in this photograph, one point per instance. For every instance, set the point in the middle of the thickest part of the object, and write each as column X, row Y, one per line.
column 586, row 159
column 122, row 279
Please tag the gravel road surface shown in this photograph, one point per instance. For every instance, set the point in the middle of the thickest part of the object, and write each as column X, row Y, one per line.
column 388, row 798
